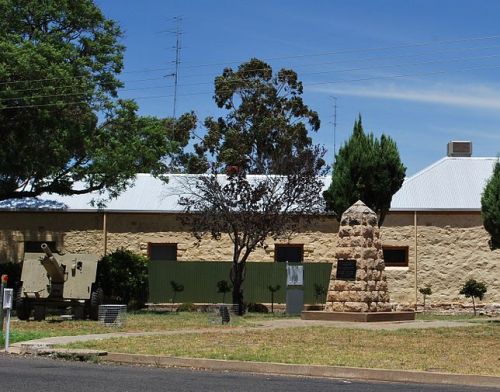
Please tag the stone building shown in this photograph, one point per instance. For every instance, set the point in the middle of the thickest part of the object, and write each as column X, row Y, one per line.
column 433, row 234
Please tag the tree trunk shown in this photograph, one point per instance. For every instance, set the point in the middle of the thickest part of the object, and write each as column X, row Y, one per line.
column 237, row 277
column 474, row 306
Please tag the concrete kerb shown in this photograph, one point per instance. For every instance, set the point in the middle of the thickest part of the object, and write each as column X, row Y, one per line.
column 306, row 370
column 43, row 347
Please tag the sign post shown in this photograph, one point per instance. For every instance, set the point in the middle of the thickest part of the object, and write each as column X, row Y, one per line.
column 3, row 284
column 7, row 305
column 294, row 288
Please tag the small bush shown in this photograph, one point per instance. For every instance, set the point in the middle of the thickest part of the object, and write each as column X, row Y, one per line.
column 123, row 276
column 257, row 308
column 473, row 289
column 223, row 287
column 187, row 307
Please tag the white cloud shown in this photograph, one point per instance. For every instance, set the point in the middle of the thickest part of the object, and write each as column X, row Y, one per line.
column 466, row 96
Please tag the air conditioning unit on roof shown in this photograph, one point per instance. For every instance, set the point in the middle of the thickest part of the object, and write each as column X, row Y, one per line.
column 460, row 149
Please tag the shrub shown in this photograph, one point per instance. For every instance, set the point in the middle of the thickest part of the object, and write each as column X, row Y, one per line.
column 176, row 288
column 187, row 307
column 273, row 289
column 319, row 292
column 474, row 289
column 223, row 287
column 425, row 291
column 123, row 276
column 257, row 308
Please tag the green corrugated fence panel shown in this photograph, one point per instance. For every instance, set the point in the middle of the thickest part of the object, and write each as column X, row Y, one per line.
column 200, row 281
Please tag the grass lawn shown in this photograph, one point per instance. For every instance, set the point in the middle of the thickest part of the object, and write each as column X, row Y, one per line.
column 469, row 317
column 468, row 350
column 136, row 322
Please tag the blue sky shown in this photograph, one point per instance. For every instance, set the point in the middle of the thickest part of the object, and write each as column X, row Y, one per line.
column 423, row 72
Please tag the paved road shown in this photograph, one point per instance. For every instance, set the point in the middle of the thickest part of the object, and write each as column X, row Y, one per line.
column 19, row 374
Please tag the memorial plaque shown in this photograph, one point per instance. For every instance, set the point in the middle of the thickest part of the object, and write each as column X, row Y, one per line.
column 346, row 269
column 294, row 275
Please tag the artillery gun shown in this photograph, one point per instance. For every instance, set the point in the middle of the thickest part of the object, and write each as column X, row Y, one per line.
column 67, row 280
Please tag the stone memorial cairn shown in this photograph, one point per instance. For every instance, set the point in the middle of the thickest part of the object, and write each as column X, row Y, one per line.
column 358, row 282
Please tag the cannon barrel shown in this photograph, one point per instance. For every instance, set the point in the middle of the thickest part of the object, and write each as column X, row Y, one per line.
column 47, row 250
column 49, row 262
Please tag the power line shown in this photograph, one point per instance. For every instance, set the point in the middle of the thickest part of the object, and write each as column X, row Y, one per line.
column 358, row 50
column 344, row 51
column 308, row 84
column 243, row 79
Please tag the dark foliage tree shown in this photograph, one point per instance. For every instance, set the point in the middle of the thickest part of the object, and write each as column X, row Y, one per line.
column 473, row 289
column 490, row 207
column 63, row 128
column 365, row 169
column 265, row 132
column 123, row 276
column 267, row 123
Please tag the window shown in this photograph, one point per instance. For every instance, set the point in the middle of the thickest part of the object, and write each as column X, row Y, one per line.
column 36, row 246
column 395, row 256
column 290, row 253
column 164, row 252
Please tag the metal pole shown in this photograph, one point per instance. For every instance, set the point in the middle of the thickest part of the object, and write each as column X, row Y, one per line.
column 105, row 232
column 7, row 305
column 1, row 302
column 416, row 258
column 7, row 330
column 3, row 284
column 177, row 59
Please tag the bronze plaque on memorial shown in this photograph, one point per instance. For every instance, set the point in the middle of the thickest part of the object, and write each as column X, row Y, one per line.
column 346, row 269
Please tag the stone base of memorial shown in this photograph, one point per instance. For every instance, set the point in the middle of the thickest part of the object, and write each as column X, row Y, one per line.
column 358, row 287
column 363, row 317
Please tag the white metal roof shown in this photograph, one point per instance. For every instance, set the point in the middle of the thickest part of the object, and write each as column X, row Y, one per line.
column 147, row 194
column 450, row 184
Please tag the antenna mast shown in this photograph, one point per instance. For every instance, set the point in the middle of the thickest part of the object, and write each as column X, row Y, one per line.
column 334, row 126
column 178, row 33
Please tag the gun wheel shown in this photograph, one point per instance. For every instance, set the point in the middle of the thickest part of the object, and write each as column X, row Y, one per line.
column 96, row 299
column 22, row 308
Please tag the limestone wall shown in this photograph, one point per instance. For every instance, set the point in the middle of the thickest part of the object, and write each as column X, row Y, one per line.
column 399, row 230
column 146, row 228
column 451, row 246
column 72, row 232
column 452, row 249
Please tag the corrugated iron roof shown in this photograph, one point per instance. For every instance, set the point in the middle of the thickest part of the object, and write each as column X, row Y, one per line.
column 451, row 184
column 147, row 194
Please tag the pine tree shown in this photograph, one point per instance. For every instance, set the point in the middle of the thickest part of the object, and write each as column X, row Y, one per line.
column 490, row 207
column 365, row 169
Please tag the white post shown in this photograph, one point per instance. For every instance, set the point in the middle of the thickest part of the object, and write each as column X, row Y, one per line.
column 7, row 305
column 7, row 330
